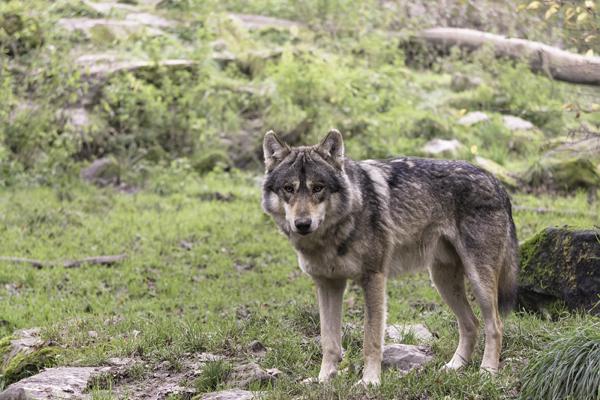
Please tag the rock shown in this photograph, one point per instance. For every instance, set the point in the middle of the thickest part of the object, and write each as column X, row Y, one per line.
column 473, row 118
column 461, row 82
column 398, row 332
column 233, row 394
column 405, row 357
column 443, row 147
column 498, row 171
column 568, row 167
column 102, row 172
column 51, row 384
column 257, row 348
column 103, row 29
column 245, row 375
column 107, row 8
column 23, row 354
column 561, row 264
column 513, row 123
column 252, row 22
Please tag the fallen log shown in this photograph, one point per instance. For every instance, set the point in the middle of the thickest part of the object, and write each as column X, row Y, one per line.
column 98, row 260
column 554, row 62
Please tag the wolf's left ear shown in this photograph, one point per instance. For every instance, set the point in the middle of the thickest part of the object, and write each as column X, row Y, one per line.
column 333, row 147
column 274, row 150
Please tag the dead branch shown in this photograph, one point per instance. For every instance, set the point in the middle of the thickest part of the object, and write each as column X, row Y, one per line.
column 556, row 63
column 98, row 260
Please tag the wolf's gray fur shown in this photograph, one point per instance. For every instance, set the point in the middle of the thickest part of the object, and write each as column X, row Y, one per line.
column 370, row 220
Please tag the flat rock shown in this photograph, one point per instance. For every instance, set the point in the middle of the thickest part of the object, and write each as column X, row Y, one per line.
column 444, row 147
column 108, row 7
column 405, row 357
column 473, row 118
column 250, row 21
column 52, row 384
column 398, row 332
column 24, row 342
column 244, row 375
column 233, row 394
column 516, row 124
column 102, row 172
column 117, row 27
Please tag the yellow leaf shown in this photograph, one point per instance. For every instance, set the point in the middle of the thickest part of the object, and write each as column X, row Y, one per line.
column 595, row 107
column 462, row 112
column 474, row 149
column 589, row 38
column 589, row 53
column 590, row 4
column 569, row 13
column 582, row 17
column 550, row 12
column 534, row 5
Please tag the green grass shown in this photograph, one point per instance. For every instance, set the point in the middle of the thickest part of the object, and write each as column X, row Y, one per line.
column 181, row 300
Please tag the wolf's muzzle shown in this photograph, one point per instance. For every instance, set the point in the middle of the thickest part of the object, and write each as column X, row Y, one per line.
column 303, row 225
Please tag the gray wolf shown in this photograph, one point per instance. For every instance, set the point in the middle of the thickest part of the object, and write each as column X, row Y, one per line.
column 370, row 220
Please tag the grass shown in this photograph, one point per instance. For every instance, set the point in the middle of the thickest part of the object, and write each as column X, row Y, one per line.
column 166, row 300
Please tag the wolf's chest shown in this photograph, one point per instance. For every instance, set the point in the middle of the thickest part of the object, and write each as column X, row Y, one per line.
column 329, row 264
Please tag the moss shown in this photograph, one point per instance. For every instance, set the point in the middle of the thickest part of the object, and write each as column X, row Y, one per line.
column 27, row 364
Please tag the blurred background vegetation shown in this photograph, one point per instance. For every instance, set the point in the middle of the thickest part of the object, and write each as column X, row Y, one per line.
column 193, row 85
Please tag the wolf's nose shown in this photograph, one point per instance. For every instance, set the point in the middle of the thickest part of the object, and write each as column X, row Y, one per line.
column 303, row 225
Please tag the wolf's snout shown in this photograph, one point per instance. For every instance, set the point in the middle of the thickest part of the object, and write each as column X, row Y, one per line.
column 303, row 225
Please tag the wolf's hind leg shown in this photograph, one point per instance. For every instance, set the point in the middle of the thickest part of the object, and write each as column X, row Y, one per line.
column 449, row 280
column 330, row 294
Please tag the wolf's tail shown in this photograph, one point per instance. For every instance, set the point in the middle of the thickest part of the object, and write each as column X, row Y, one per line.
column 507, row 282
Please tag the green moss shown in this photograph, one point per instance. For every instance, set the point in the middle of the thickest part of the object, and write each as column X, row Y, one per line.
column 27, row 364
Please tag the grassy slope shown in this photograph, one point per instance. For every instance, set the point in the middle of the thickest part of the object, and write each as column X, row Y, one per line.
column 196, row 300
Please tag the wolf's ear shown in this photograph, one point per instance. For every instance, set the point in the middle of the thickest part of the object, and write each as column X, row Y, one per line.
column 333, row 147
column 274, row 150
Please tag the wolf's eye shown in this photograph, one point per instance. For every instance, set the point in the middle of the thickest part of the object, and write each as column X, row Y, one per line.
column 317, row 188
column 289, row 188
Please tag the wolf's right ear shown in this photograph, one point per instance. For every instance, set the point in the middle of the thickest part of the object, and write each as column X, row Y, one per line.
column 274, row 150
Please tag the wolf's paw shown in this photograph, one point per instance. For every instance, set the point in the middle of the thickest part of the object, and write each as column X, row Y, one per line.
column 486, row 370
column 455, row 364
column 366, row 382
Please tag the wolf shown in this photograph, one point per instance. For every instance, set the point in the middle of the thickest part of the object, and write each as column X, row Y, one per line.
column 371, row 220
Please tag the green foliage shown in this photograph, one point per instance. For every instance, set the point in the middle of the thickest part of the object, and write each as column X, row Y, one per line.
column 567, row 368
column 213, row 376
column 20, row 32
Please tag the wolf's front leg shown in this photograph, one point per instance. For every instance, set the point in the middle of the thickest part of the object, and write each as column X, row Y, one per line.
column 374, row 288
column 330, row 293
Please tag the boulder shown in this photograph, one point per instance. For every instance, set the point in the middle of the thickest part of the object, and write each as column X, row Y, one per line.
column 443, row 147
column 53, row 383
column 104, row 29
column 23, row 354
column 498, row 171
column 400, row 332
column 405, row 357
column 513, row 123
column 473, row 118
column 102, row 172
column 561, row 264
column 568, row 166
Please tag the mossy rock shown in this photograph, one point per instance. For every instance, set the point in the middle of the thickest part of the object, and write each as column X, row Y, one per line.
column 498, row 171
column 561, row 264
column 24, row 354
column 562, row 172
column 19, row 33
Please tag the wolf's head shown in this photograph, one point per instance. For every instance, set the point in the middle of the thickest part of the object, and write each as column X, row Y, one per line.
column 305, row 188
